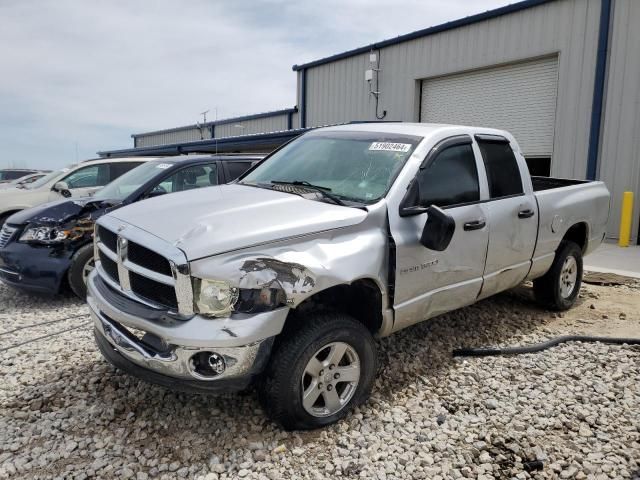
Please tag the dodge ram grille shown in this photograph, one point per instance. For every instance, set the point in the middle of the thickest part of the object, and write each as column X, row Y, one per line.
column 159, row 279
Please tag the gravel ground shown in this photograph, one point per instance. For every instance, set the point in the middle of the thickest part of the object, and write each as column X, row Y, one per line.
column 66, row 413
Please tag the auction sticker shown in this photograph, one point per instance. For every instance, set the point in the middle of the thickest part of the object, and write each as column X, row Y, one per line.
column 390, row 147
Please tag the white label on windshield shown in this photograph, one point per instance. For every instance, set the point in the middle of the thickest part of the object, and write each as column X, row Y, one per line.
column 390, row 146
column 163, row 165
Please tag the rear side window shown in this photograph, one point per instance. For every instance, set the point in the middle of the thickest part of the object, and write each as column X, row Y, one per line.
column 235, row 169
column 502, row 169
column 90, row 176
column 118, row 169
column 450, row 179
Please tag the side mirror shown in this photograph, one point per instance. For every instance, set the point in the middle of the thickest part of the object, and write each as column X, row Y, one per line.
column 438, row 229
column 62, row 188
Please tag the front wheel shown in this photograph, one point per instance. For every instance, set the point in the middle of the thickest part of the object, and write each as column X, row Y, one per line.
column 82, row 264
column 559, row 287
column 319, row 371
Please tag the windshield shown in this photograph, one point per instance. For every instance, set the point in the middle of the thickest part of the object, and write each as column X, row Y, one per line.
column 48, row 177
column 353, row 166
column 128, row 183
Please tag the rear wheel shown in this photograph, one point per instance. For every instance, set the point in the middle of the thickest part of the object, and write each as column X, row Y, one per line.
column 82, row 264
column 559, row 287
column 319, row 371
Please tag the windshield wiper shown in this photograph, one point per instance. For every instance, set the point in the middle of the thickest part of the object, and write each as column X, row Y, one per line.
column 324, row 191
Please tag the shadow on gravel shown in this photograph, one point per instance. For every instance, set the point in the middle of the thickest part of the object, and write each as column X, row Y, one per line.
column 91, row 395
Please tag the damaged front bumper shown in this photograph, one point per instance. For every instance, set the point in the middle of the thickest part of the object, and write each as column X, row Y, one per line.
column 197, row 354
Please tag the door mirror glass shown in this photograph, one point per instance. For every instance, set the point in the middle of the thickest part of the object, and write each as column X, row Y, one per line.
column 62, row 188
column 438, row 229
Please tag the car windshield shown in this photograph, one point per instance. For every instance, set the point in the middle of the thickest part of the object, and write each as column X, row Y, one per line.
column 47, row 178
column 352, row 166
column 128, row 183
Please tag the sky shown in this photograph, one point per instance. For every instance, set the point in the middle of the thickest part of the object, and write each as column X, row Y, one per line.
column 77, row 77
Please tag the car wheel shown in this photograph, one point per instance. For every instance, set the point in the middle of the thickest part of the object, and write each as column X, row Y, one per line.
column 82, row 264
column 318, row 371
column 559, row 287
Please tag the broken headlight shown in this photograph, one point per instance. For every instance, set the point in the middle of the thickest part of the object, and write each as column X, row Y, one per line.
column 213, row 298
column 260, row 300
column 49, row 235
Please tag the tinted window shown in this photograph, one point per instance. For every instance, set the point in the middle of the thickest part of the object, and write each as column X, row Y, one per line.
column 196, row 176
column 91, row 176
column 502, row 169
column 118, row 169
column 235, row 169
column 451, row 178
column 539, row 167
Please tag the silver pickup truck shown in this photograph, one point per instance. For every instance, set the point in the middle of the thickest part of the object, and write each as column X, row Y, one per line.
column 346, row 234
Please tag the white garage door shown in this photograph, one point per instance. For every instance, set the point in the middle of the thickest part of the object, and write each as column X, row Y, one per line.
column 520, row 98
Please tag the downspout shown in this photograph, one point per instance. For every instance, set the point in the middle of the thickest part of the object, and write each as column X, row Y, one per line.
column 289, row 120
column 303, row 98
column 213, row 130
column 598, row 90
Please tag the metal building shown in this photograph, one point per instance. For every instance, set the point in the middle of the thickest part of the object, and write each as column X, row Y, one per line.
column 562, row 75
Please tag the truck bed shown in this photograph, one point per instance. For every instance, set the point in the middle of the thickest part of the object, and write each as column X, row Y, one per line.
column 547, row 183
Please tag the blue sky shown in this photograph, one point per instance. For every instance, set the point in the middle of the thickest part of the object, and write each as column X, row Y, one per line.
column 83, row 76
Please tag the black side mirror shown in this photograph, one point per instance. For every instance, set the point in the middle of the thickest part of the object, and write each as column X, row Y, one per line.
column 438, row 229
column 410, row 204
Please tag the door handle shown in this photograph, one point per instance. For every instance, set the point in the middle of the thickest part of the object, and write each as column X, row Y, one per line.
column 475, row 225
column 526, row 213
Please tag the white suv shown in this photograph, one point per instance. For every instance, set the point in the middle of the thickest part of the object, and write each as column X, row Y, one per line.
column 80, row 180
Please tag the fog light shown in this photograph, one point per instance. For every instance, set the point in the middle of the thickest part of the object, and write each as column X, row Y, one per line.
column 216, row 362
column 207, row 365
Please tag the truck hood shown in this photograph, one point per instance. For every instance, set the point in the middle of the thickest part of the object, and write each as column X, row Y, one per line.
column 61, row 212
column 220, row 219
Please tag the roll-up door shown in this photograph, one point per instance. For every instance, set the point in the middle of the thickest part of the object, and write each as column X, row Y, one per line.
column 520, row 98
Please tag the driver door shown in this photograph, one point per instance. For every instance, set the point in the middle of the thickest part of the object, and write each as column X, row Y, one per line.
column 429, row 282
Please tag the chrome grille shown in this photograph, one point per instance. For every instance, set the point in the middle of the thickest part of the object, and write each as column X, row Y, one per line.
column 157, row 276
column 5, row 235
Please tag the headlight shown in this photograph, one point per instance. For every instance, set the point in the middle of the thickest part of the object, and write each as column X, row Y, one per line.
column 214, row 297
column 45, row 235
column 260, row 300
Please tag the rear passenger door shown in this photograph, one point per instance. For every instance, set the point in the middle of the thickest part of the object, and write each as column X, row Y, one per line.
column 512, row 214
column 428, row 282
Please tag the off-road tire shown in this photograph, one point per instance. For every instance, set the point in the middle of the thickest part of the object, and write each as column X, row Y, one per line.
column 280, row 389
column 547, row 288
column 75, row 272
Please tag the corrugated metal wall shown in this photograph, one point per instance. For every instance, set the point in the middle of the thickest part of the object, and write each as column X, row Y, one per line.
column 267, row 124
column 337, row 92
column 620, row 144
column 275, row 123
column 187, row 134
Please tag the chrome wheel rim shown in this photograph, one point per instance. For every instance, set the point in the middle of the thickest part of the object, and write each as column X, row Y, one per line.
column 568, row 277
column 330, row 379
column 87, row 269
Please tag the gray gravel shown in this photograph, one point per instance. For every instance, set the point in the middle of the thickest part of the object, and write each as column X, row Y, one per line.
column 66, row 413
